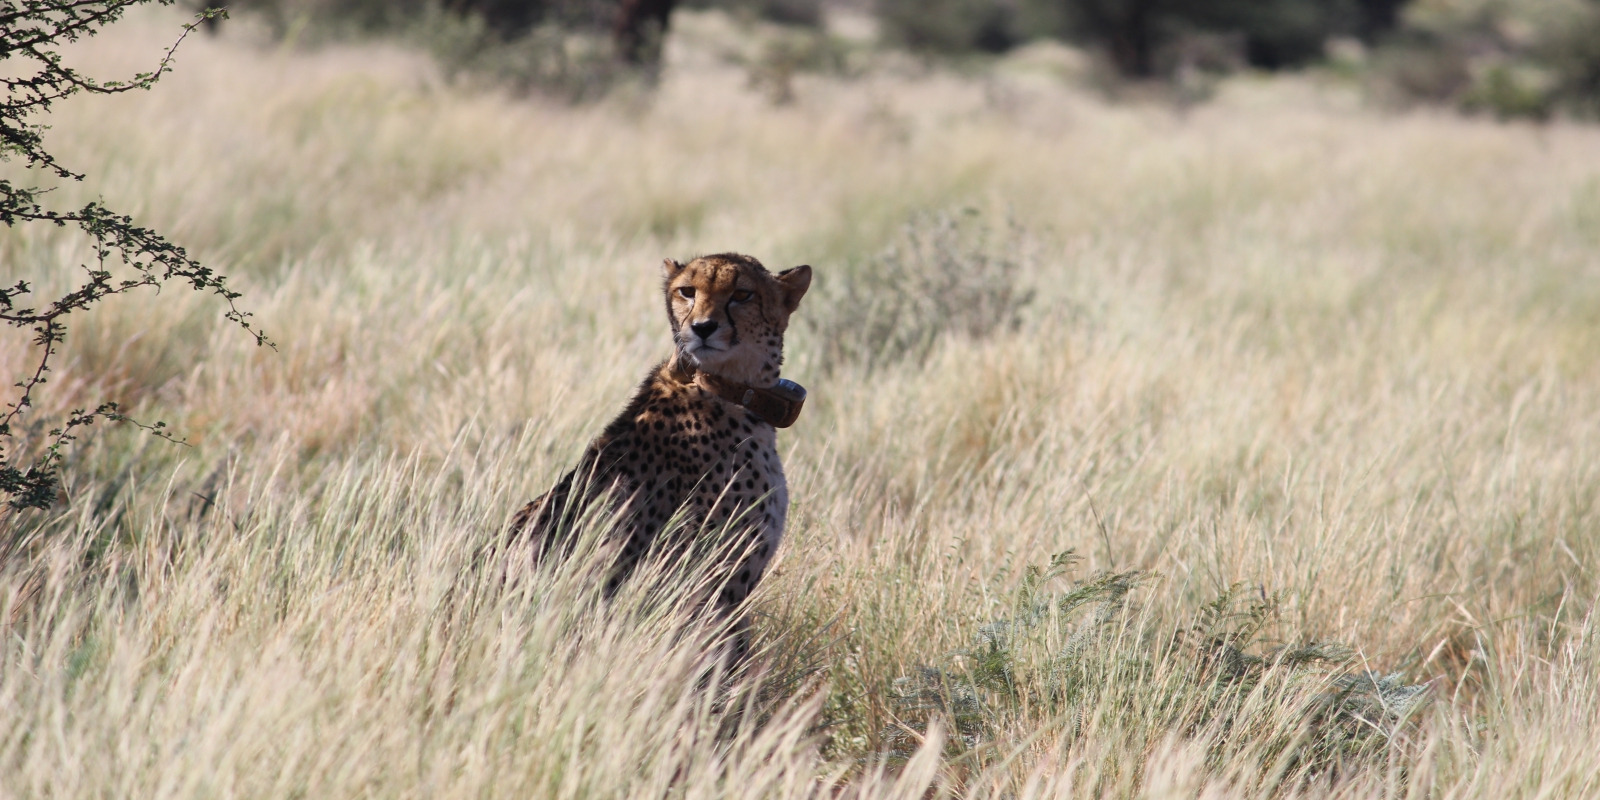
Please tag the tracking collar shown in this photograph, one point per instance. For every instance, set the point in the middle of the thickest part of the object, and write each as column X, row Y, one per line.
column 778, row 405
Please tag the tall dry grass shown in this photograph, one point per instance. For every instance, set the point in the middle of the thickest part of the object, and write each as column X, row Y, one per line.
column 1273, row 346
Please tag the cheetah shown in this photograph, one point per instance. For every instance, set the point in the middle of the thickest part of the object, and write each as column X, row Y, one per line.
column 698, row 438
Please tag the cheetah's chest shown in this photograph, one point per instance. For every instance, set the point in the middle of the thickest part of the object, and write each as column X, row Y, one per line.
column 716, row 462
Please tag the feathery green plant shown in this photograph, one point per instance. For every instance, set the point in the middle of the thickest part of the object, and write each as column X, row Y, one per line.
column 1058, row 656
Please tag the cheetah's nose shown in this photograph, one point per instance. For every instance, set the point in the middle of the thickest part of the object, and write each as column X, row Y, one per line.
column 704, row 329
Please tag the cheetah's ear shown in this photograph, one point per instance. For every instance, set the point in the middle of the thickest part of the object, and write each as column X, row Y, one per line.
column 795, row 281
column 670, row 268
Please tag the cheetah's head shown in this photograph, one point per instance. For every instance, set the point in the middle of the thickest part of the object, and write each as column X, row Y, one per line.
column 728, row 314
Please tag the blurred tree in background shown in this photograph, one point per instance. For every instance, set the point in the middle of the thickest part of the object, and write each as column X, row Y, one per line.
column 508, row 19
column 505, row 19
column 1141, row 38
column 1527, row 59
column 572, row 49
column 637, row 26
column 1512, row 58
column 806, row 13
column 575, row 49
column 950, row 26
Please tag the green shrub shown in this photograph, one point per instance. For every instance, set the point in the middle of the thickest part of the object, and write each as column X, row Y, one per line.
column 504, row 19
column 1510, row 90
column 570, row 49
column 574, row 64
column 949, row 26
column 1141, row 38
column 317, row 20
column 1512, row 60
column 1147, row 37
column 1305, row 709
column 806, row 13
column 1571, row 53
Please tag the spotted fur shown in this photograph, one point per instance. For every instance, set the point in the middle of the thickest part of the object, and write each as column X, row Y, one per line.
column 679, row 448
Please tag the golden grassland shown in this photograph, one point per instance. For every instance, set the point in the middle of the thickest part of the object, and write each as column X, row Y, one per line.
column 1335, row 365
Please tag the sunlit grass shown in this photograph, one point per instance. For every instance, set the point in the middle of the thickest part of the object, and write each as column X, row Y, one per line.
column 1274, row 347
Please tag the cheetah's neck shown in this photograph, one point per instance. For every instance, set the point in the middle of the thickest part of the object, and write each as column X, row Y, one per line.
column 777, row 403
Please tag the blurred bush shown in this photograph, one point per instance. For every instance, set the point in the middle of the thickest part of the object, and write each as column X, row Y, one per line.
column 1509, row 58
column 505, row 19
column 317, row 20
column 807, row 13
column 946, row 274
column 572, row 49
column 568, row 63
column 781, row 57
column 950, row 26
column 1527, row 59
column 778, row 40
column 1143, row 38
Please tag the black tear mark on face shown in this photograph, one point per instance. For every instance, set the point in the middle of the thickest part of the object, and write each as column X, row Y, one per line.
column 733, row 323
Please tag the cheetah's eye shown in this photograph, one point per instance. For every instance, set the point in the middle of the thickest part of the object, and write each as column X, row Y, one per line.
column 742, row 295
column 686, row 292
